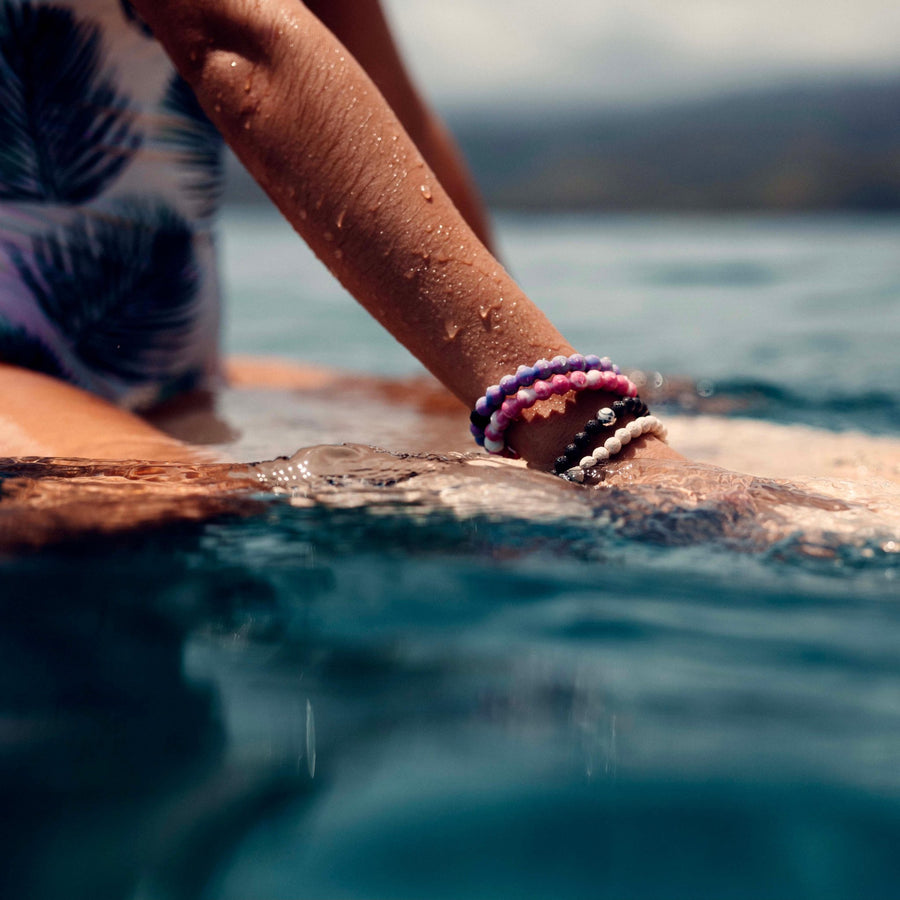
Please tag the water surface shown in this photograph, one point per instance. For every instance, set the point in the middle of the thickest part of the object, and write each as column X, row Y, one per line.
column 407, row 675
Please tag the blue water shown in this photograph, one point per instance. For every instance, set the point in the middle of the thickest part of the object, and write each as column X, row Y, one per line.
column 805, row 311
column 403, row 702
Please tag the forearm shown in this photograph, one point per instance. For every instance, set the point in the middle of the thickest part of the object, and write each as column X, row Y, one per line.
column 363, row 29
column 315, row 132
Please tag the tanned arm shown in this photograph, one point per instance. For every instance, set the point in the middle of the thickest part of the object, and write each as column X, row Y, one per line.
column 314, row 130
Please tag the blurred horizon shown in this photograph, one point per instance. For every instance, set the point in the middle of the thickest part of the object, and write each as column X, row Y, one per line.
column 808, row 146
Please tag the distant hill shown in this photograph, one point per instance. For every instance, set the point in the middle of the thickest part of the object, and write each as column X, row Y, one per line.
column 801, row 148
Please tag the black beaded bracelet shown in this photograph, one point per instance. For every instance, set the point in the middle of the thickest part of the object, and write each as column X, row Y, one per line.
column 605, row 418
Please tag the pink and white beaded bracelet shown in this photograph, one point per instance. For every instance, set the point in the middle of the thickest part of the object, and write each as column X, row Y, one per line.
column 503, row 402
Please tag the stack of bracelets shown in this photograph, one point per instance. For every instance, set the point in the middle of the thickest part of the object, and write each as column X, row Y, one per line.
column 502, row 403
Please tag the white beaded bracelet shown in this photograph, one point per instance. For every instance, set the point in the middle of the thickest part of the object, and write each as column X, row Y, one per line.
column 614, row 444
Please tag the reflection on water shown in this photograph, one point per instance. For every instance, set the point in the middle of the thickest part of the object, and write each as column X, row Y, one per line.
column 356, row 673
column 114, row 766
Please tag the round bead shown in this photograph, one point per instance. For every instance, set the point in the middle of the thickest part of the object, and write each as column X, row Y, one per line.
column 560, row 384
column 600, row 454
column 525, row 376
column 494, row 396
column 578, row 380
column 592, row 361
column 592, row 427
column 571, row 449
column 509, row 384
column 613, row 444
column 586, row 462
column 494, row 446
column 527, row 396
column 559, row 364
column 577, row 363
column 581, row 439
column 606, row 364
column 542, row 390
column 542, row 369
column 594, row 378
column 560, row 464
column 493, row 434
column 624, row 436
column 576, row 475
column 606, row 417
column 500, row 419
column 482, row 407
column 635, row 428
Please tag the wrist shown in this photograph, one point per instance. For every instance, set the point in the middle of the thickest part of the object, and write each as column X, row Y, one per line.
column 543, row 432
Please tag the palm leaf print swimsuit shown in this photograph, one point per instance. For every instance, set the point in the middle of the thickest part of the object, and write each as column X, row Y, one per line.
column 110, row 176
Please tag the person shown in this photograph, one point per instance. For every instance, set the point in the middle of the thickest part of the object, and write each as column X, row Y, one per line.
column 314, row 100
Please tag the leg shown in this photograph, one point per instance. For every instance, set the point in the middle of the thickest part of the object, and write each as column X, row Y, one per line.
column 42, row 416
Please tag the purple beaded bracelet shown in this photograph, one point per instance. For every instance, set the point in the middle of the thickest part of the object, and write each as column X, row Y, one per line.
column 505, row 401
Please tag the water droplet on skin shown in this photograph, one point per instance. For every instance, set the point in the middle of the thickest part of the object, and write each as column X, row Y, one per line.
column 484, row 311
column 409, row 274
column 328, row 236
column 339, row 222
column 452, row 329
column 247, row 125
column 303, row 215
column 247, row 86
column 426, row 191
column 338, row 254
column 218, row 107
column 429, row 228
column 234, row 64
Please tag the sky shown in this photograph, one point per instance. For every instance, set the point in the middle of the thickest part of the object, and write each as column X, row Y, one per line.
column 485, row 53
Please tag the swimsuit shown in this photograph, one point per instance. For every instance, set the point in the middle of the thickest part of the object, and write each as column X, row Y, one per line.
column 110, row 176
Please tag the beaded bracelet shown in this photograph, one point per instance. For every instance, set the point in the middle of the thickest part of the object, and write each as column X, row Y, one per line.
column 504, row 402
column 613, row 445
column 605, row 419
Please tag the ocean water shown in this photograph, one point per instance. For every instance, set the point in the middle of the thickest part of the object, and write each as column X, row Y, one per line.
column 417, row 677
